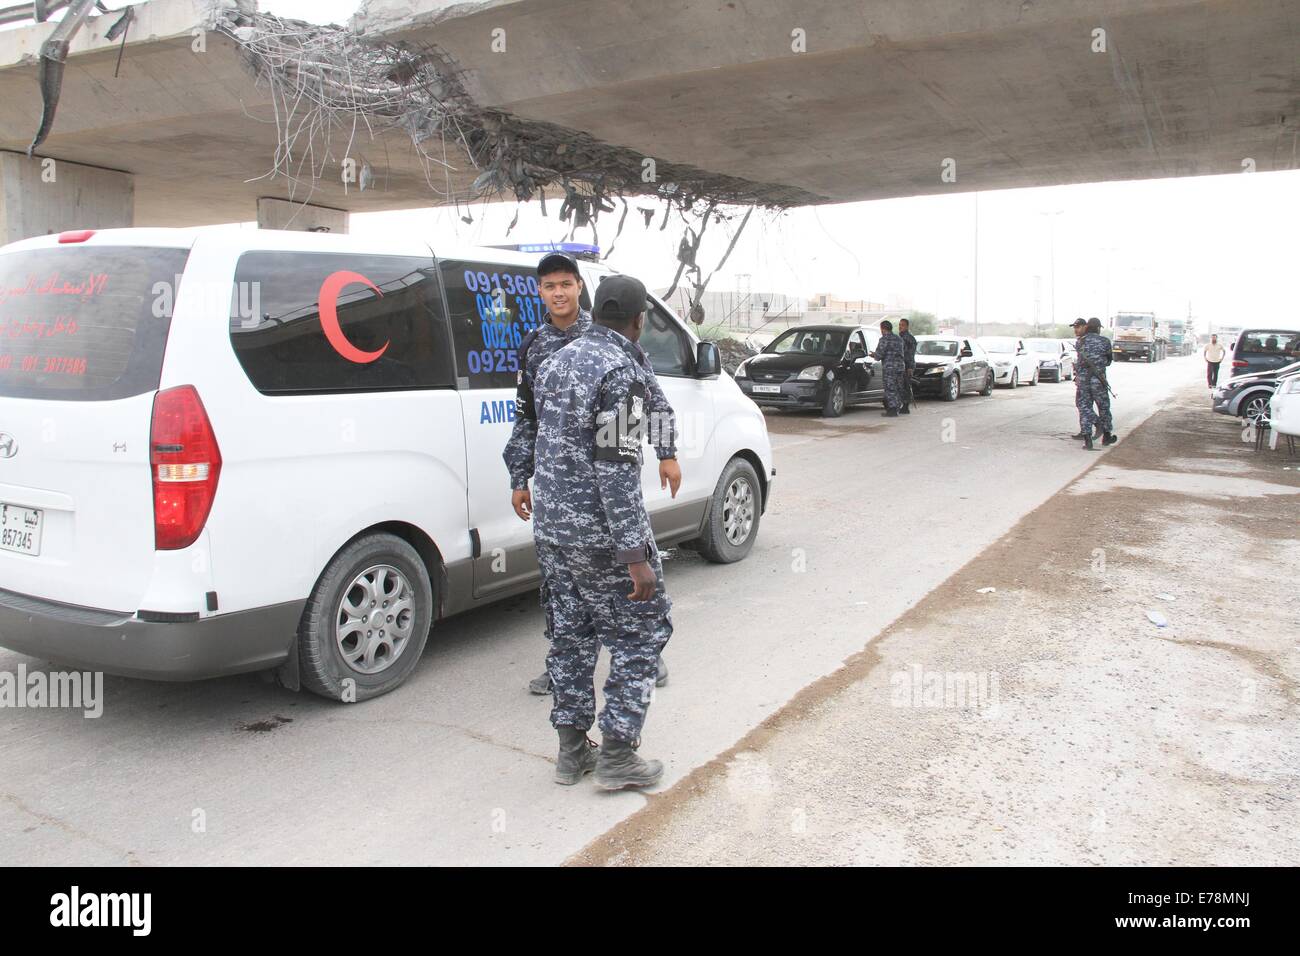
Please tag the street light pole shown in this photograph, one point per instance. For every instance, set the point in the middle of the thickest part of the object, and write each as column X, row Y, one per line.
column 1051, row 246
column 977, row 265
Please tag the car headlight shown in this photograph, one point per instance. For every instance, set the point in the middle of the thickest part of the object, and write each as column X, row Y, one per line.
column 812, row 373
column 1003, row 364
column 1048, row 363
column 1292, row 387
column 936, row 370
column 740, row 369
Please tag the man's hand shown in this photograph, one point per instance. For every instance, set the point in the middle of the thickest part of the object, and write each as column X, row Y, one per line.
column 643, row 581
column 670, row 475
column 521, row 499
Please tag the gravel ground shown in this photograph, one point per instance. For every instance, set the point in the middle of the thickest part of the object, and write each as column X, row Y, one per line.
column 1049, row 721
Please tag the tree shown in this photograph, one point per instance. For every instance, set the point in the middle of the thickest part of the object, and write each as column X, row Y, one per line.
column 921, row 323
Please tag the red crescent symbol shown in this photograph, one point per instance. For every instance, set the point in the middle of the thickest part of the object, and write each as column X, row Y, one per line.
column 329, row 316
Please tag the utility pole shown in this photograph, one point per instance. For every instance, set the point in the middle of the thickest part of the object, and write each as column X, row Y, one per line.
column 1038, row 300
column 977, row 265
column 1051, row 247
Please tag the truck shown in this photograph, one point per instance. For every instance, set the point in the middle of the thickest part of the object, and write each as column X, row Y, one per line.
column 1182, row 337
column 1138, row 335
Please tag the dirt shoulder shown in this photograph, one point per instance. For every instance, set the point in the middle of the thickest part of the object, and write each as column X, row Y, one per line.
column 1050, row 721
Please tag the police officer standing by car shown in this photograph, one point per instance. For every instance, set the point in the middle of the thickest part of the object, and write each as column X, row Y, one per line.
column 909, row 363
column 889, row 352
column 1094, row 355
column 560, row 286
column 601, row 569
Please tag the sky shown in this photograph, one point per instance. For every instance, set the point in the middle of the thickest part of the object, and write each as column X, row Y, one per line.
column 1221, row 246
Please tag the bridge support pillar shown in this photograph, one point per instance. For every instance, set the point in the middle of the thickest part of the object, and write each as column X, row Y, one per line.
column 42, row 195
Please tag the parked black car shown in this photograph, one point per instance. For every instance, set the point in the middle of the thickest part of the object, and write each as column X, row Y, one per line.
column 948, row 365
column 1247, row 396
column 826, row 367
column 1264, row 350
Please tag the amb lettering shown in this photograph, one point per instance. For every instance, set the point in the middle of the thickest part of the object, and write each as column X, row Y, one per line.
column 495, row 412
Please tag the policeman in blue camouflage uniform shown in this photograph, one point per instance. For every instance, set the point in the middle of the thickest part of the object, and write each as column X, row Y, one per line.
column 1079, row 326
column 909, row 363
column 893, row 366
column 603, row 575
column 1093, row 352
column 560, row 286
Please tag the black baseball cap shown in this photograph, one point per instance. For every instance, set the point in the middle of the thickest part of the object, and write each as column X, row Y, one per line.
column 619, row 298
column 558, row 262
column 1077, row 322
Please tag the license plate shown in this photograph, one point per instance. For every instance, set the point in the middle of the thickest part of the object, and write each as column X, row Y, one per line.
column 768, row 389
column 20, row 529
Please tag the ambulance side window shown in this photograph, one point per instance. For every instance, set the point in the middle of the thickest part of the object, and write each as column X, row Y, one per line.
column 669, row 348
column 338, row 322
column 492, row 306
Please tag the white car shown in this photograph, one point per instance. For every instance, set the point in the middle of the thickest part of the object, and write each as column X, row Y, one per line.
column 1284, row 406
column 1013, row 364
column 226, row 452
column 1055, row 358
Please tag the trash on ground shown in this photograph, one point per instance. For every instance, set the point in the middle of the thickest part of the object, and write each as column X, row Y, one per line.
column 1158, row 619
column 986, row 590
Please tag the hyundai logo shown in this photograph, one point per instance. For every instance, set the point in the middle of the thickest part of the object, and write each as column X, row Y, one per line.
column 8, row 445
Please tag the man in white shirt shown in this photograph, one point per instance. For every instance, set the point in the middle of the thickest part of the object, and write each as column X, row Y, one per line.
column 1213, row 356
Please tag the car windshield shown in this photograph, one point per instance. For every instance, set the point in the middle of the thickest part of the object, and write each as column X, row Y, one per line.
column 945, row 347
column 1132, row 321
column 810, row 342
column 1001, row 346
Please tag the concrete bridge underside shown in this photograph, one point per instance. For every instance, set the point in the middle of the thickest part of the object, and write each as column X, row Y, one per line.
column 823, row 101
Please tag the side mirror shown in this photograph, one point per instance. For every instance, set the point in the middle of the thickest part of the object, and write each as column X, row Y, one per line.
column 967, row 353
column 708, row 363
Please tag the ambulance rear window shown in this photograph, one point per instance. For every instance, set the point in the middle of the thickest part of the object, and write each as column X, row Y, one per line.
column 85, row 323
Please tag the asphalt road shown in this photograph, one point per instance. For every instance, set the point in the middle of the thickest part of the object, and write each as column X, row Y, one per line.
column 869, row 515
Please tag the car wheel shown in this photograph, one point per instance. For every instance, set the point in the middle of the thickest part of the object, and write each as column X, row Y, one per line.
column 988, row 385
column 835, row 401
column 1015, row 378
column 952, row 387
column 734, row 513
column 1255, row 409
column 1034, row 380
column 367, row 620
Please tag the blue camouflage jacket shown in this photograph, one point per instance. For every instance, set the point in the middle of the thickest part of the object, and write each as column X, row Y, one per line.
column 1096, row 348
column 889, row 350
column 591, row 408
column 909, row 348
column 534, row 351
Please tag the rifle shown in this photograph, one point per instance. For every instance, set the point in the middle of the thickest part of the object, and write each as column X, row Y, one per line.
column 1093, row 369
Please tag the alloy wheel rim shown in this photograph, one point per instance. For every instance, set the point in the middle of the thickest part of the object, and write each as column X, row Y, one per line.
column 375, row 619
column 738, row 511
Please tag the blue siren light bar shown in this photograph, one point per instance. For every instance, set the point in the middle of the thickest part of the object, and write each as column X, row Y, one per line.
column 580, row 250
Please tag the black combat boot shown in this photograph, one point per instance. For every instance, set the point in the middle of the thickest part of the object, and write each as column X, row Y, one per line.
column 1109, row 438
column 890, row 413
column 618, row 767
column 1079, row 435
column 540, row 685
column 662, row 677
column 577, row 756
column 1087, row 442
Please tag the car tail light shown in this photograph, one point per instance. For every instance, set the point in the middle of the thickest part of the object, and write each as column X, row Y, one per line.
column 76, row 235
column 185, row 462
column 1239, row 363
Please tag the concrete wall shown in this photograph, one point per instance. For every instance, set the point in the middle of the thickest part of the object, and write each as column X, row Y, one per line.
column 41, row 196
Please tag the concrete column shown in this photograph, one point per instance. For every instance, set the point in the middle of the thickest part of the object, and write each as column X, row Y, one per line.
column 41, row 195
column 299, row 216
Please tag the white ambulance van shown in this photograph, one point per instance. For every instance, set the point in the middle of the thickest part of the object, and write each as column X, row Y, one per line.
column 232, row 451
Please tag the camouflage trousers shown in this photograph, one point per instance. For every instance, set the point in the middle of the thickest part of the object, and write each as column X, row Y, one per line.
column 894, row 379
column 907, row 384
column 1090, row 391
column 585, row 597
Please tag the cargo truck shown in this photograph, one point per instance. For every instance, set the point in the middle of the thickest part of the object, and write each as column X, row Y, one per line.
column 1138, row 335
